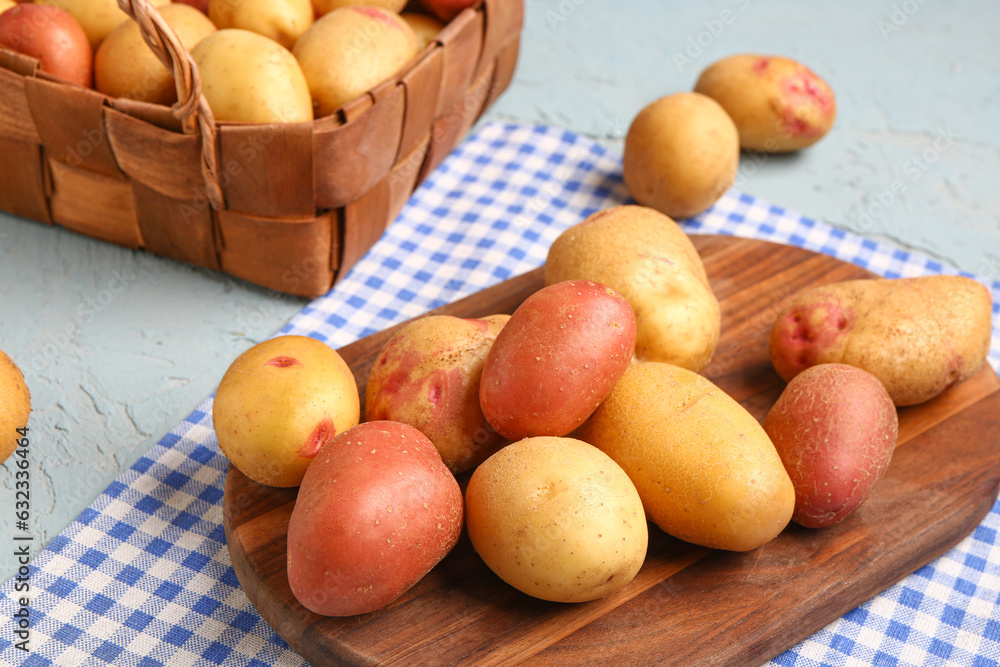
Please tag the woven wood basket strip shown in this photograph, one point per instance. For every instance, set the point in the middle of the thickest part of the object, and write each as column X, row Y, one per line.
column 23, row 180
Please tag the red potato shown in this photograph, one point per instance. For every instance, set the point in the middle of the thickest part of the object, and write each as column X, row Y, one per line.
column 51, row 35
column 835, row 429
column 557, row 358
column 376, row 511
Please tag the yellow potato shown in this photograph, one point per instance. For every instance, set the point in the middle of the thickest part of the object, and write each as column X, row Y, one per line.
column 556, row 519
column 918, row 336
column 125, row 66
column 6, row 4
column 248, row 77
column 322, row 7
column 15, row 405
column 97, row 17
column 778, row 104
column 351, row 50
column 425, row 26
column 284, row 21
column 279, row 404
column 705, row 469
column 681, row 154
column 644, row 256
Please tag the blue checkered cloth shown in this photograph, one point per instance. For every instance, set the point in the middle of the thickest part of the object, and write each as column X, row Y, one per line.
column 143, row 576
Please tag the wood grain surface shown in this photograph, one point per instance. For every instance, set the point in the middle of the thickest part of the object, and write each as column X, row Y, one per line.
column 688, row 605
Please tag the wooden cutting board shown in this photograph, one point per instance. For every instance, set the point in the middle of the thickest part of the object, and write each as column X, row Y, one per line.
column 688, row 605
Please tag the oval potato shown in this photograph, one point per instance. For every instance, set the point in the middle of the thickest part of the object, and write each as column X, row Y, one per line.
column 284, row 21
column 556, row 519
column 835, row 429
column 556, row 359
column 97, row 17
column 51, row 35
column 681, row 154
column 647, row 258
column 351, row 50
column 250, row 78
column 705, row 469
column 279, row 403
column 376, row 512
column 125, row 66
column 778, row 104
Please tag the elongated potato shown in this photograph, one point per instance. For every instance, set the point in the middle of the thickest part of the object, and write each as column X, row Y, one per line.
column 647, row 258
column 705, row 469
column 918, row 336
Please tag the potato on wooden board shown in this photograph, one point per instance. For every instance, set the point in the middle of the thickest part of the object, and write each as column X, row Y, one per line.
column 351, row 50
column 125, row 66
column 556, row 359
column 835, row 429
column 51, row 35
column 778, row 104
column 250, row 78
column 428, row 376
column 647, row 258
column 681, row 154
column 918, row 336
column 15, row 405
column 376, row 512
column 279, row 403
column 97, row 17
column 705, row 469
column 284, row 21
column 557, row 519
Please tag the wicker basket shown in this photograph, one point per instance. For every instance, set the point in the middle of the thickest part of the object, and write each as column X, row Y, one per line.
column 287, row 206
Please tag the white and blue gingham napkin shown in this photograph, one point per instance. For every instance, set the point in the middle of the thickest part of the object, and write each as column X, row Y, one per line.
column 143, row 577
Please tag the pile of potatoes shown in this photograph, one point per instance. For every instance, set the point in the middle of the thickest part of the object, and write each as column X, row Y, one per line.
column 581, row 417
column 260, row 61
column 682, row 151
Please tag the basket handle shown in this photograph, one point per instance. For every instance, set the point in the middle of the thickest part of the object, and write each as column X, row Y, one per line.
column 191, row 108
